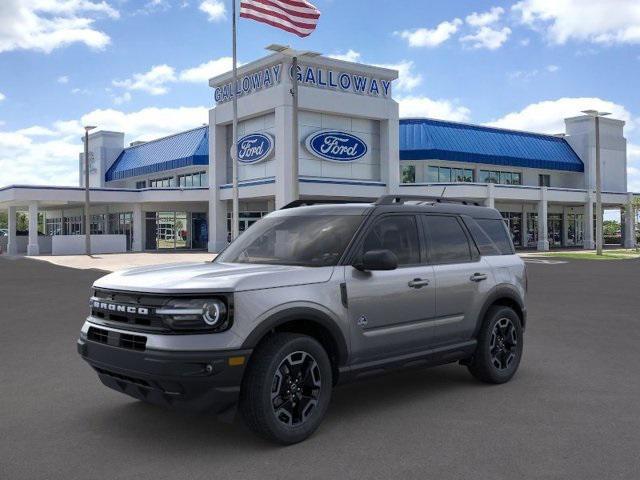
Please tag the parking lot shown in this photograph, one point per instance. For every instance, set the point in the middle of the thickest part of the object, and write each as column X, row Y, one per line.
column 573, row 410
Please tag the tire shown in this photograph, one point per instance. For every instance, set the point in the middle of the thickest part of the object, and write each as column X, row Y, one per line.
column 499, row 350
column 287, row 388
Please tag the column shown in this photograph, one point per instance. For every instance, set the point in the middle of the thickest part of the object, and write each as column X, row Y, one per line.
column 12, row 245
column 589, row 241
column 390, row 152
column 33, row 248
column 490, row 200
column 629, row 223
column 218, row 209
column 543, row 237
column 138, row 222
column 284, row 157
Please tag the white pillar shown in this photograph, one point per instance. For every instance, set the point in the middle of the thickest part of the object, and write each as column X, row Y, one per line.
column 283, row 155
column 12, row 245
column 629, row 223
column 32, row 247
column 218, row 209
column 138, row 222
column 543, row 237
column 490, row 200
column 390, row 151
column 589, row 242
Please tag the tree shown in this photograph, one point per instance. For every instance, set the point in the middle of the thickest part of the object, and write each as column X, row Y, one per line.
column 3, row 220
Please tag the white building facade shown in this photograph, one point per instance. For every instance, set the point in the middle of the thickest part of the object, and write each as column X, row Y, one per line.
column 175, row 192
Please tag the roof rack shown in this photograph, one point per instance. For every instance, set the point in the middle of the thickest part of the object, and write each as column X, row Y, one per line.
column 400, row 199
column 318, row 201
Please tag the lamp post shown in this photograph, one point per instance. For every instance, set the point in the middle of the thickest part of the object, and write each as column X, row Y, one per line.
column 596, row 114
column 87, row 217
column 295, row 146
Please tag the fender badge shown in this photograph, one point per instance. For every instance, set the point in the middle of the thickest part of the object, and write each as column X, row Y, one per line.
column 362, row 321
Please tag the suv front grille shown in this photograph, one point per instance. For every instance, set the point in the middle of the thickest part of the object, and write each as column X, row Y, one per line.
column 117, row 339
column 128, row 310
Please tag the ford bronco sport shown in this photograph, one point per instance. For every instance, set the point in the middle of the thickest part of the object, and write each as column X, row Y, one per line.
column 308, row 297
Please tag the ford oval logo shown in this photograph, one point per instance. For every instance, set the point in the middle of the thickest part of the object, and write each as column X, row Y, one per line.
column 336, row 146
column 255, row 147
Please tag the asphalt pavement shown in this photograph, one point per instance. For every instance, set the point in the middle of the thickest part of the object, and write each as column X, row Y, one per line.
column 572, row 411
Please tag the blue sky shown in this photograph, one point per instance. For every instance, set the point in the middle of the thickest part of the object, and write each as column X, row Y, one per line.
column 142, row 66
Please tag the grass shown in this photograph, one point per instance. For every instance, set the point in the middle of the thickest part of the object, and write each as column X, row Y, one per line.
column 617, row 254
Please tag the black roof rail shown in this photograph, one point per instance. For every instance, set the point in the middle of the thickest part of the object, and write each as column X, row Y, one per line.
column 318, row 201
column 400, row 199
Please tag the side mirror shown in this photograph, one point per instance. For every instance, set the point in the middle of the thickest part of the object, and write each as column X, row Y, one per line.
column 377, row 260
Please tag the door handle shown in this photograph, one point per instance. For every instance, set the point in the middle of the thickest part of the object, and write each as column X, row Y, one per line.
column 418, row 283
column 478, row 277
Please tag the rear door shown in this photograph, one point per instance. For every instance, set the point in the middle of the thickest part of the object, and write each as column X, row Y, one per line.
column 462, row 277
column 389, row 311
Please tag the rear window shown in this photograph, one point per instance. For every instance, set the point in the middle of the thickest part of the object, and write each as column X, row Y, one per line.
column 492, row 237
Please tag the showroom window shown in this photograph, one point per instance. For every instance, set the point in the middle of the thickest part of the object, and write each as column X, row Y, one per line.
column 503, row 178
column 190, row 180
column 448, row 174
column 408, row 174
column 162, row 182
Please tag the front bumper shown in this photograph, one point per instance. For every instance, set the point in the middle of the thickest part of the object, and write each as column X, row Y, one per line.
column 194, row 381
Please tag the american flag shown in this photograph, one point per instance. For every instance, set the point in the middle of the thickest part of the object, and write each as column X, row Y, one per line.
column 294, row 16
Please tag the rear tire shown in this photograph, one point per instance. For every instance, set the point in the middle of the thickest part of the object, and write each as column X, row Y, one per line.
column 499, row 350
column 287, row 388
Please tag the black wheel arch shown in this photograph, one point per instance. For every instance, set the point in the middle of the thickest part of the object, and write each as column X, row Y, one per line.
column 308, row 321
column 508, row 296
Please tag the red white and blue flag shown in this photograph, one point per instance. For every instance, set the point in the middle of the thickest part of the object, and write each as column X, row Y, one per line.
column 295, row 16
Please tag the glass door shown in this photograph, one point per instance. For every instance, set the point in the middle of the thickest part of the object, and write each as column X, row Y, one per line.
column 532, row 230
column 575, row 229
column 554, row 229
column 199, row 231
column 166, row 230
column 514, row 223
column 182, row 231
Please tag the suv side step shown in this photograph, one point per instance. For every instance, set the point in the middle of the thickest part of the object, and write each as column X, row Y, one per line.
column 425, row 358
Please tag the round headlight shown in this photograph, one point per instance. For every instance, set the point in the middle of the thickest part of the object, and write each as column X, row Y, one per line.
column 214, row 312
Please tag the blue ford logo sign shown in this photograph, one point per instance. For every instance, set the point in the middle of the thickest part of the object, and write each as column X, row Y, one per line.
column 336, row 146
column 255, row 147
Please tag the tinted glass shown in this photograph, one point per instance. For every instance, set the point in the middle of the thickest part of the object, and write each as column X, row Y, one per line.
column 310, row 241
column 396, row 233
column 409, row 174
column 483, row 241
column 497, row 232
column 432, row 174
column 446, row 239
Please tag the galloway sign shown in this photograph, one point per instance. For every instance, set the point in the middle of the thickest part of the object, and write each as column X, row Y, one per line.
column 331, row 79
column 336, row 146
column 248, row 84
column 255, row 147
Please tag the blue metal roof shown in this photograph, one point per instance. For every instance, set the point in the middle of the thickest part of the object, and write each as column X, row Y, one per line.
column 183, row 149
column 427, row 139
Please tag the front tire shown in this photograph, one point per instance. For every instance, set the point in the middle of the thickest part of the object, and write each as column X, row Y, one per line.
column 500, row 343
column 287, row 388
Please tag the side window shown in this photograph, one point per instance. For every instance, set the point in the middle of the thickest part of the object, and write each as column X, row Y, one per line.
column 486, row 246
column 447, row 240
column 397, row 233
column 497, row 232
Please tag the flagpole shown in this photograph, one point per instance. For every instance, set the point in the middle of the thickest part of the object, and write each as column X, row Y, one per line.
column 235, row 226
column 295, row 193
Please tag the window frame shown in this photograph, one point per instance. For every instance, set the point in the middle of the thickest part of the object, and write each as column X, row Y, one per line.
column 474, row 253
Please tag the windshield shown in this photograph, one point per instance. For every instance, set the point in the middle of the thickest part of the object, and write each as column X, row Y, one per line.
column 310, row 241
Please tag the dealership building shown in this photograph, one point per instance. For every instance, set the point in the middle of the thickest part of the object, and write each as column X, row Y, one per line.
column 175, row 193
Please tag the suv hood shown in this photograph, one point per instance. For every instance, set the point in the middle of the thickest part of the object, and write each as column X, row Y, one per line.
column 211, row 277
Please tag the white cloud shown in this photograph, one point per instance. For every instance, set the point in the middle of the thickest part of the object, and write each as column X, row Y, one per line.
column 486, row 18
column 63, row 79
column 552, row 68
column 420, row 106
column 525, row 42
column 424, row 37
column 349, row 56
column 48, row 155
column 154, row 81
column 527, row 75
column 548, row 116
column 120, row 99
column 487, row 37
column 2, row 96
column 203, row 72
column 407, row 78
column 45, row 25
column 595, row 21
column 214, row 9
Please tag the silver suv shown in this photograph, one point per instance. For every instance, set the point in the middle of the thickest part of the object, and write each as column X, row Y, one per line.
column 309, row 297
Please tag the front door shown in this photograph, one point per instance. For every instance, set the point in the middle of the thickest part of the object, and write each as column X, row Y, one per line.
column 389, row 311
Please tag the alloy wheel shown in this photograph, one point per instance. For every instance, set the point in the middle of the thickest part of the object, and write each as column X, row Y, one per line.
column 504, row 344
column 295, row 390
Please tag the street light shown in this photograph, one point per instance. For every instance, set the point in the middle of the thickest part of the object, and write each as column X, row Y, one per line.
column 596, row 114
column 87, row 218
column 294, row 54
